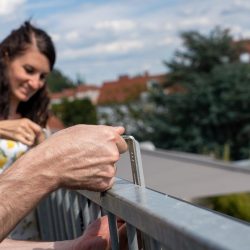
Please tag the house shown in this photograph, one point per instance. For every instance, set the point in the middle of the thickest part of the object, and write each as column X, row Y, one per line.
column 115, row 95
column 127, row 88
column 80, row 92
column 244, row 50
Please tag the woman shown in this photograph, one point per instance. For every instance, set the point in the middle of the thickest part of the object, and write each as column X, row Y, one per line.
column 27, row 56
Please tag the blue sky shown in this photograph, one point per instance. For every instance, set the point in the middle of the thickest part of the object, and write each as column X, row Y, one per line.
column 102, row 39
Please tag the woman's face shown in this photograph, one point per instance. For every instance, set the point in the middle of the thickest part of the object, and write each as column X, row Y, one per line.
column 27, row 74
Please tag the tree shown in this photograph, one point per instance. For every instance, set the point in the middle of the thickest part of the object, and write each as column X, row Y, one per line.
column 213, row 110
column 57, row 81
column 236, row 205
column 76, row 112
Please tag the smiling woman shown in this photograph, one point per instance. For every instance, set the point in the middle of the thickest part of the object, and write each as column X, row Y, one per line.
column 27, row 74
column 27, row 56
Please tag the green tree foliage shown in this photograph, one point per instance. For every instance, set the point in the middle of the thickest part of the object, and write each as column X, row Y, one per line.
column 76, row 112
column 212, row 113
column 235, row 205
column 57, row 81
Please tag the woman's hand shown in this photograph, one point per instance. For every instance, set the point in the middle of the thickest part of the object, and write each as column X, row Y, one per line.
column 23, row 130
column 43, row 135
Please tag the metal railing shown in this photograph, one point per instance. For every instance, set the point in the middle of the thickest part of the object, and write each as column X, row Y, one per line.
column 166, row 222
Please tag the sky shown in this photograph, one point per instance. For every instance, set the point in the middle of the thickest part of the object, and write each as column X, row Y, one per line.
column 98, row 40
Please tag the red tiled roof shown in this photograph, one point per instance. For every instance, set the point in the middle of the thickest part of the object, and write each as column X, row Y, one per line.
column 125, row 88
column 244, row 45
column 86, row 88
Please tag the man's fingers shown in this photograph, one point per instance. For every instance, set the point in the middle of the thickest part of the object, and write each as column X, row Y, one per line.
column 121, row 145
column 120, row 142
column 119, row 130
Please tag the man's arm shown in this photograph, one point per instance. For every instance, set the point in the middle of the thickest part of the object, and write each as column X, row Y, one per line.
column 67, row 159
column 20, row 193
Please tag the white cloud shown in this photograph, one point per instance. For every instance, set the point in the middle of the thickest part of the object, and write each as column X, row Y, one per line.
column 169, row 40
column 115, row 25
column 242, row 3
column 196, row 21
column 97, row 36
column 8, row 7
column 55, row 37
column 119, row 47
column 72, row 36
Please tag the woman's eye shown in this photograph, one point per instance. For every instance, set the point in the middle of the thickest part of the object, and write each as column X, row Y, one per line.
column 29, row 70
column 43, row 77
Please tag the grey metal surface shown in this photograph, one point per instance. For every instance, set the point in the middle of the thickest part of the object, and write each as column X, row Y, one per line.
column 55, row 217
column 132, row 237
column 113, row 231
column 75, row 213
column 187, row 176
column 135, row 160
column 61, row 225
column 151, row 243
column 174, row 223
column 67, row 214
column 85, row 211
column 46, row 229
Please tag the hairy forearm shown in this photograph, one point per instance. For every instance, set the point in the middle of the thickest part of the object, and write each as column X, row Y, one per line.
column 29, row 245
column 22, row 186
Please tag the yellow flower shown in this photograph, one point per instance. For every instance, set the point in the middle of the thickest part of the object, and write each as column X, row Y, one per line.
column 3, row 158
column 10, row 144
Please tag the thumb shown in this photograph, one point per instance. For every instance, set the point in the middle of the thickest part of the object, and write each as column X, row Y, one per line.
column 119, row 130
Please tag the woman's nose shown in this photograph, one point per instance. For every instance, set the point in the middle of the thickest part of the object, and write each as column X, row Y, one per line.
column 35, row 82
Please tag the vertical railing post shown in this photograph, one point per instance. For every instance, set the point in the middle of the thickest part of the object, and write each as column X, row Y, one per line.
column 132, row 237
column 113, row 231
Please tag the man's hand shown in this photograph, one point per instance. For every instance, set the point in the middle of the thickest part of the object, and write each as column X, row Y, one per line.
column 80, row 157
column 23, row 130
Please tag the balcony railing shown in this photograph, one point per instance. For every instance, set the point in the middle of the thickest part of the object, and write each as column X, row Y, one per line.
column 166, row 222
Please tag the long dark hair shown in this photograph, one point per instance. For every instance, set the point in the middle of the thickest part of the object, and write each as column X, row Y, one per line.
column 15, row 44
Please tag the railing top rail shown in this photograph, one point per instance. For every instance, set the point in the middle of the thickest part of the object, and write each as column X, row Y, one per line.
column 175, row 223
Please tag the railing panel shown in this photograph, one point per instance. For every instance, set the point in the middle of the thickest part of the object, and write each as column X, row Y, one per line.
column 174, row 223
column 58, row 200
column 75, row 215
column 168, row 223
column 132, row 237
column 113, row 231
column 83, row 202
column 47, row 231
